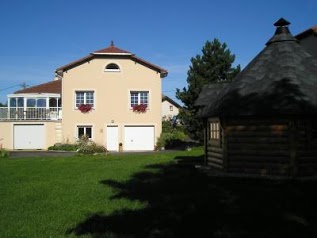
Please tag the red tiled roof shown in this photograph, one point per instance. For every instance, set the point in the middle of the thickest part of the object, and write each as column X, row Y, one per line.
column 50, row 87
column 310, row 31
column 112, row 50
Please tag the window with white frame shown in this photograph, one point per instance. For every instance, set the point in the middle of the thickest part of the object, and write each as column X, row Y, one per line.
column 214, row 129
column 84, row 97
column 84, row 130
column 138, row 98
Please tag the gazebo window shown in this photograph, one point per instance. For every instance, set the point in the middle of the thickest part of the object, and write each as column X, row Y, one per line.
column 112, row 67
column 214, row 130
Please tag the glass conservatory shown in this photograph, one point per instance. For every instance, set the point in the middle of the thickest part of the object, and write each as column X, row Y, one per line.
column 46, row 106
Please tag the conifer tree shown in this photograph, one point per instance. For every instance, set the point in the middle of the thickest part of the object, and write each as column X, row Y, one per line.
column 213, row 66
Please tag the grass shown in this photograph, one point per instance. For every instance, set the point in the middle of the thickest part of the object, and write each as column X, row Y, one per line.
column 157, row 195
column 44, row 197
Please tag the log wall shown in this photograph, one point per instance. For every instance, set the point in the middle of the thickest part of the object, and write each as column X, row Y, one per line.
column 285, row 147
column 258, row 146
column 214, row 154
column 306, row 149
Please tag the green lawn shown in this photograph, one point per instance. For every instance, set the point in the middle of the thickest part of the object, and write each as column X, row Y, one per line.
column 154, row 195
column 45, row 197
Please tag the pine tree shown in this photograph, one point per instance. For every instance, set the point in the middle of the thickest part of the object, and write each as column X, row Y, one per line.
column 213, row 66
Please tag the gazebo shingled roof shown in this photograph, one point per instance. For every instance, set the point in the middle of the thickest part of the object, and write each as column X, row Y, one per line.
column 280, row 80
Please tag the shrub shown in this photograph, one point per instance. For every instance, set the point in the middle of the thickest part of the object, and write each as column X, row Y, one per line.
column 86, row 146
column 64, row 147
column 4, row 153
column 171, row 139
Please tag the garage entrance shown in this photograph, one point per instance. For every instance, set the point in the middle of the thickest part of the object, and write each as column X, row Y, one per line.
column 27, row 137
column 139, row 138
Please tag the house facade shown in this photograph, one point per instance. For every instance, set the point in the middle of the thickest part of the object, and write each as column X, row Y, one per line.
column 170, row 108
column 99, row 97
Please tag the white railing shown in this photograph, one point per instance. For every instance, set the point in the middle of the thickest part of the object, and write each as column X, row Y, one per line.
column 30, row 113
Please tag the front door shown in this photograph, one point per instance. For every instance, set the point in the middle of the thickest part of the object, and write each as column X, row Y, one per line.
column 112, row 138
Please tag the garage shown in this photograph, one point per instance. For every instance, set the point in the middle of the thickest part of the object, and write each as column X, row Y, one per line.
column 28, row 137
column 139, row 138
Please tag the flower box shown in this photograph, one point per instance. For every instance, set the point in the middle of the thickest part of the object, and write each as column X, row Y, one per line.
column 84, row 108
column 141, row 108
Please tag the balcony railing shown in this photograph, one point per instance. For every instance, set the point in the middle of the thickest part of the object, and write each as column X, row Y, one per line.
column 30, row 113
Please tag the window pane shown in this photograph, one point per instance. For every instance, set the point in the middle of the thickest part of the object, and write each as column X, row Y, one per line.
column 112, row 66
column 81, row 131
column 20, row 102
column 13, row 102
column 85, row 130
column 144, row 98
column 31, row 102
column 41, row 102
column 80, row 96
column 53, row 102
column 90, row 98
column 89, row 132
column 134, row 98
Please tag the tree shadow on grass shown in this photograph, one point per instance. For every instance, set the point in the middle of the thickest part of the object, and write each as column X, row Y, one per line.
column 185, row 202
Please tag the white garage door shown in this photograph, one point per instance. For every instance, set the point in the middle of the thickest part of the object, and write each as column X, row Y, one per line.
column 138, row 138
column 29, row 137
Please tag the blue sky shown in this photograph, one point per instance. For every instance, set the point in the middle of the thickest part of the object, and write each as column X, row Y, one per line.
column 37, row 36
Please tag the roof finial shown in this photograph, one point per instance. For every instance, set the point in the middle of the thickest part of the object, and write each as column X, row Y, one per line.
column 282, row 32
column 112, row 44
column 282, row 22
column 282, row 26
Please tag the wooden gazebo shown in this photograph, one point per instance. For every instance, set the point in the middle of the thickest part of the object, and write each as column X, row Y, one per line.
column 265, row 121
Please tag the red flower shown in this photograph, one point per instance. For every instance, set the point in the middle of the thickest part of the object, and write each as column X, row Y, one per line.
column 84, row 108
column 141, row 108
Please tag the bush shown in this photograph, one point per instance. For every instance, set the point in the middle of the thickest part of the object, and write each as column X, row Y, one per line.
column 86, row 146
column 171, row 139
column 64, row 147
column 4, row 153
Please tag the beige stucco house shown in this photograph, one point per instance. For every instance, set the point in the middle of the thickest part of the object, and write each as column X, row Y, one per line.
column 110, row 83
column 170, row 108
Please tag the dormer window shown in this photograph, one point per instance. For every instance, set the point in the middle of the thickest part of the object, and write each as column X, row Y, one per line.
column 112, row 67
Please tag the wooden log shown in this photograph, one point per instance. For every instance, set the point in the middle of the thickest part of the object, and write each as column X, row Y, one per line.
column 256, row 121
column 215, row 155
column 263, row 172
column 267, row 152
column 213, row 165
column 259, row 146
column 257, row 134
column 215, row 161
column 273, row 128
column 254, row 140
column 240, row 164
column 260, row 158
column 214, row 149
column 304, row 159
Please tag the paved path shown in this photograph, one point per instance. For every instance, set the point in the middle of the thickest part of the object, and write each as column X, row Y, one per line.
column 39, row 153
